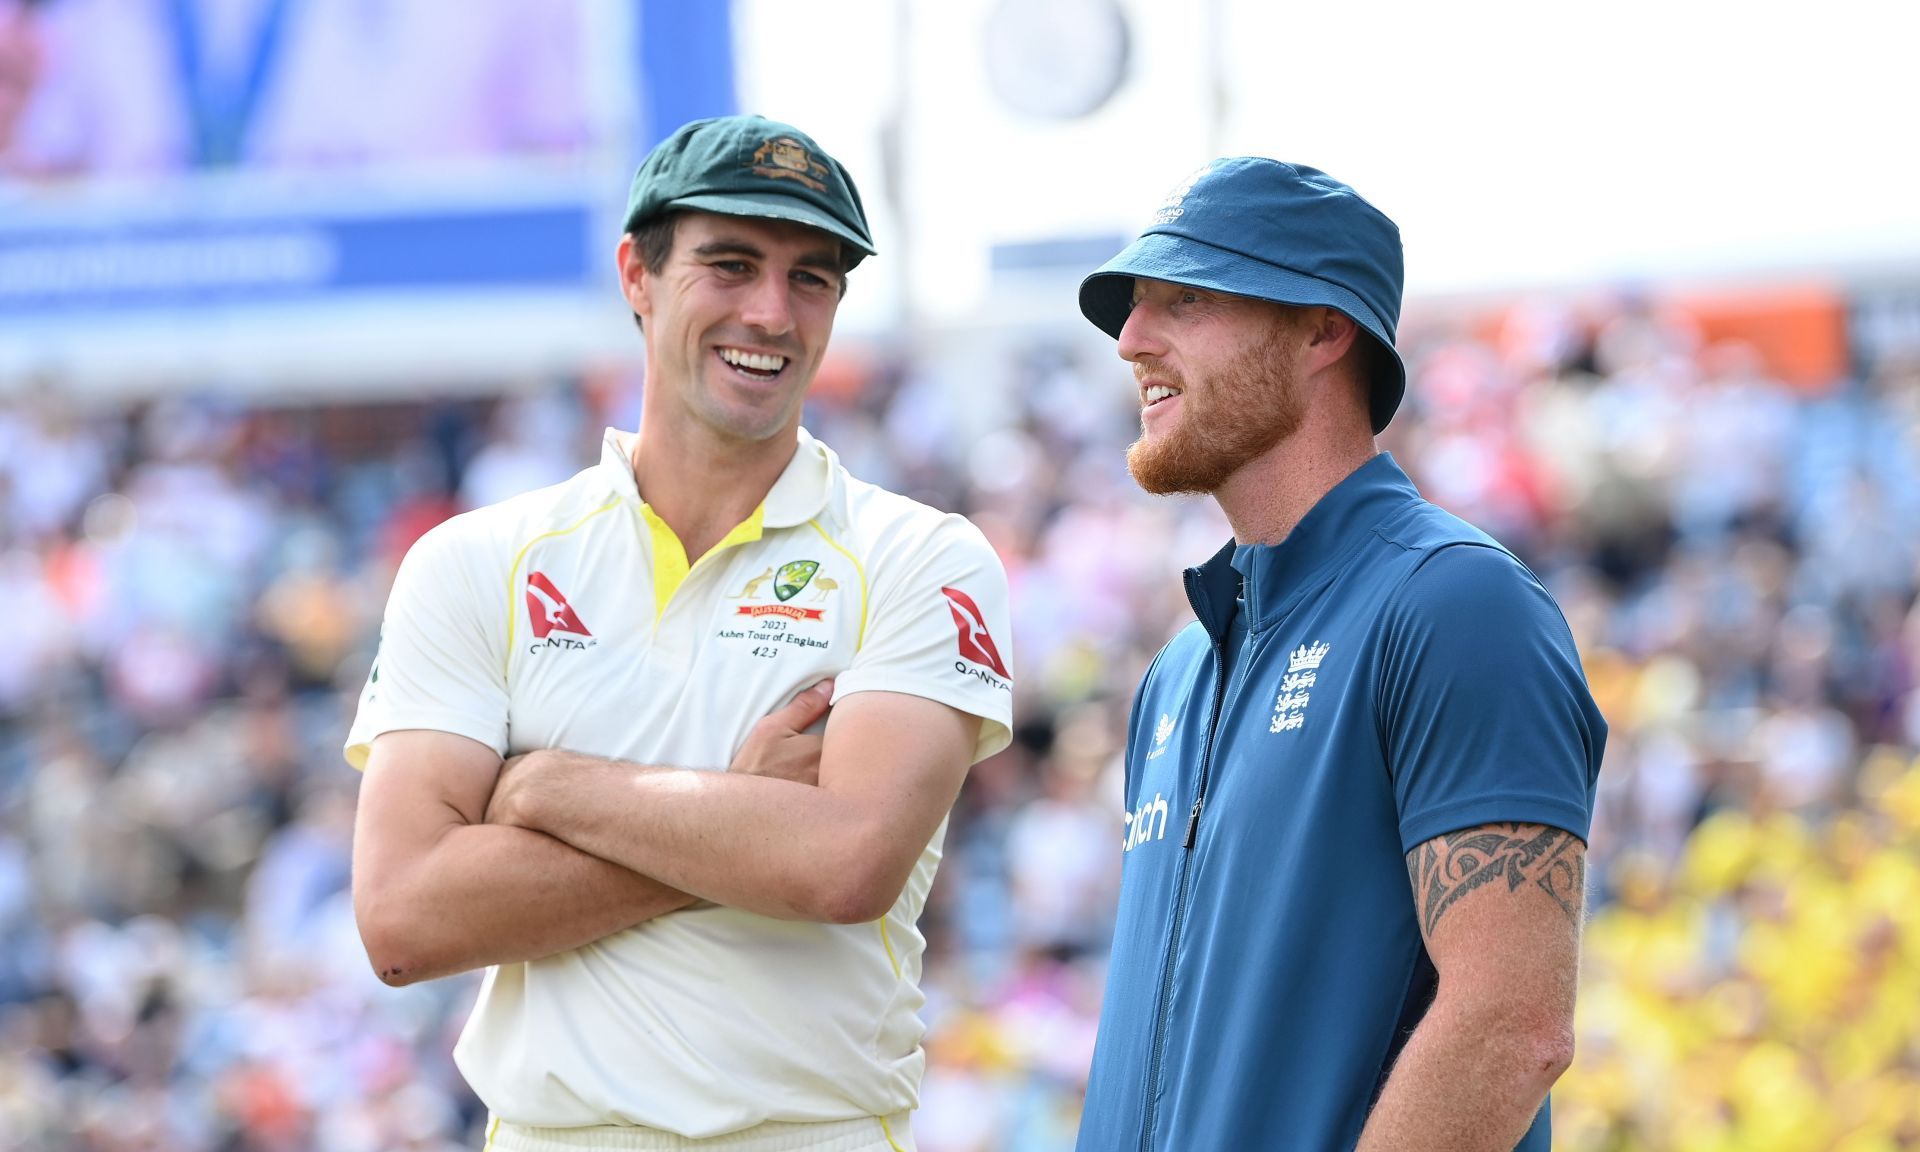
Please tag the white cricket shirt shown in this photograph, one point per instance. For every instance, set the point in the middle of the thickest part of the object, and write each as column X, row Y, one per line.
column 568, row 618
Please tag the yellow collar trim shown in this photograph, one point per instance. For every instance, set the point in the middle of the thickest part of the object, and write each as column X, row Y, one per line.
column 670, row 566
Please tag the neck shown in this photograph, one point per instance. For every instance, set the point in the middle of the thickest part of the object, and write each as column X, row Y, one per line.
column 703, row 486
column 1275, row 490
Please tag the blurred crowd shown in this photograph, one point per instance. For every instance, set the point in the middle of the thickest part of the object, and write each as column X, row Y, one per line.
column 193, row 589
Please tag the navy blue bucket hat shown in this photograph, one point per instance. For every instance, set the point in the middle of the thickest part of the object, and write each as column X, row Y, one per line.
column 1282, row 232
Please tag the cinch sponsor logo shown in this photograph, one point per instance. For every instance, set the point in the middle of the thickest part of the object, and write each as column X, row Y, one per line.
column 1148, row 822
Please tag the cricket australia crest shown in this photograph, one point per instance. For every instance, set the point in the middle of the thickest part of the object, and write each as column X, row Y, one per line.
column 792, row 577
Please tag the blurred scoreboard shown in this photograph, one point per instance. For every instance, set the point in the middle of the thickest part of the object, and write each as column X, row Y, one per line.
column 288, row 195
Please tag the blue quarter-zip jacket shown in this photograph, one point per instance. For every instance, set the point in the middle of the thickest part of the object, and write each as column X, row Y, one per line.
column 1384, row 675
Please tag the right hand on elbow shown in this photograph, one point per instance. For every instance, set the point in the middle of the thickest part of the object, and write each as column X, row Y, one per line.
column 780, row 745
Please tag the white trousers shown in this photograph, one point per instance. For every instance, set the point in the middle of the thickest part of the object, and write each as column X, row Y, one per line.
column 867, row 1134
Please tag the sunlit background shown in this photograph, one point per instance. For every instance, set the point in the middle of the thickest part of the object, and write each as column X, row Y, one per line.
column 283, row 283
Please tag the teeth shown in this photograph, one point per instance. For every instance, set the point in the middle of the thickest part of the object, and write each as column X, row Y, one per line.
column 759, row 362
column 1159, row 392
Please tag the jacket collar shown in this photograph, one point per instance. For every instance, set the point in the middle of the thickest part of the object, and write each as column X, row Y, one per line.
column 1273, row 577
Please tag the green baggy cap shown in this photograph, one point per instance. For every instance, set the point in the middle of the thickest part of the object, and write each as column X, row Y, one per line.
column 751, row 166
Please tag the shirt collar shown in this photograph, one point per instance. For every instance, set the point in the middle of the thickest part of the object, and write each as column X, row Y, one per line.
column 802, row 491
column 1277, row 575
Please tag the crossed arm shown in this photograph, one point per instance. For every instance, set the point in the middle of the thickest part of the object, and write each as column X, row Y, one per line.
column 1500, row 908
column 443, row 883
column 890, row 768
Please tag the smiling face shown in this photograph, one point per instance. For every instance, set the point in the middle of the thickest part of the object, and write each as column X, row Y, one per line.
column 737, row 319
column 1218, row 383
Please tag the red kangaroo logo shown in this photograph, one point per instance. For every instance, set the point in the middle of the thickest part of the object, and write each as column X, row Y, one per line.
column 975, row 644
column 548, row 610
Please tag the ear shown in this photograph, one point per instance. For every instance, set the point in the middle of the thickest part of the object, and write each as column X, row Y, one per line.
column 636, row 284
column 1330, row 334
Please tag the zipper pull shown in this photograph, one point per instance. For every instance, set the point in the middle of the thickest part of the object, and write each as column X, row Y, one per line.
column 1193, row 822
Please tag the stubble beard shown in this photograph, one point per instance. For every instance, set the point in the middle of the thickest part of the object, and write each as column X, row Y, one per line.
column 735, row 419
column 1251, row 405
column 750, row 426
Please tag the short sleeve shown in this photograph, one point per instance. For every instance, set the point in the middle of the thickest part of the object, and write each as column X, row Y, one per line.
column 938, row 628
column 442, row 658
column 1483, row 708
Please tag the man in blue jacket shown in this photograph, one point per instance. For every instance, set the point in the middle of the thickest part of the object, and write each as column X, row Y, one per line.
column 1358, row 787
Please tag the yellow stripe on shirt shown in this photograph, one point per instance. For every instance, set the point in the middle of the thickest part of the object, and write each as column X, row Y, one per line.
column 861, row 638
column 513, row 573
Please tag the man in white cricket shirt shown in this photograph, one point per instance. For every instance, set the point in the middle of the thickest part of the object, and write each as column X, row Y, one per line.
column 588, row 765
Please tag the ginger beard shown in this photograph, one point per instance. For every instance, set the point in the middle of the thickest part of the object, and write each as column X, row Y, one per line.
column 1252, row 403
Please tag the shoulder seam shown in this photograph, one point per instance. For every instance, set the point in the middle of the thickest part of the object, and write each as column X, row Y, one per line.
column 1391, row 601
column 513, row 571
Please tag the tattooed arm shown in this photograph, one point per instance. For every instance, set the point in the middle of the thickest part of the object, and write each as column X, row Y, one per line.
column 1500, row 908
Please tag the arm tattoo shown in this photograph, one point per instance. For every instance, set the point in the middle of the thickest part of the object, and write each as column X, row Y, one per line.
column 1446, row 868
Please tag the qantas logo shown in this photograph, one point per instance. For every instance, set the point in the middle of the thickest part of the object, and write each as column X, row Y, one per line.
column 548, row 610
column 975, row 644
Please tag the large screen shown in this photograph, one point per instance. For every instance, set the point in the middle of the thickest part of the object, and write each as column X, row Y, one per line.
column 261, row 187
column 141, row 88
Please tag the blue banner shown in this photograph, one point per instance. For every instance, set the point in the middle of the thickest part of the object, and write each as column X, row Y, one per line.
column 686, row 66
column 200, row 262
